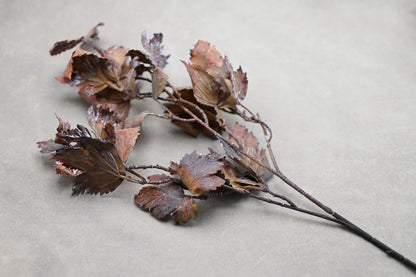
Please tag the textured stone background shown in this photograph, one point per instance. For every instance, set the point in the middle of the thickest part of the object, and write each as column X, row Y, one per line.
column 335, row 80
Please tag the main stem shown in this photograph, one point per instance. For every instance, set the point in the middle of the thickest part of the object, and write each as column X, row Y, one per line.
column 351, row 226
column 345, row 222
column 340, row 219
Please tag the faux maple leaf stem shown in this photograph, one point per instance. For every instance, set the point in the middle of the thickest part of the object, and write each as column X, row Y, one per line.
column 336, row 217
column 98, row 162
column 340, row 220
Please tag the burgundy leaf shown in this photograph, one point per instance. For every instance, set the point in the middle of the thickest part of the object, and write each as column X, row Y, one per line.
column 197, row 172
column 102, row 120
column 102, row 168
column 213, row 79
column 166, row 200
column 63, row 45
column 250, row 145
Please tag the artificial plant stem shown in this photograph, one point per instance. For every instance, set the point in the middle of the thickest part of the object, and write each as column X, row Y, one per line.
column 295, row 208
column 170, row 170
column 142, row 179
column 267, row 190
column 338, row 218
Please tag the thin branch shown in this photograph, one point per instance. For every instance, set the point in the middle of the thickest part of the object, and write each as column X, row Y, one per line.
column 142, row 179
column 170, row 170
column 267, row 190
column 295, row 208
column 144, row 79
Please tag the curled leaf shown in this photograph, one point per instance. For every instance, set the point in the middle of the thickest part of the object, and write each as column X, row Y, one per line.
column 102, row 120
column 92, row 71
column 93, row 33
column 154, row 48
column 95, row 164
column 236, row 181
column 48, row 146
column 63, row 170
column 127, row 133
column 125, row 141
column 107, row 80
column 63, row 45
column 166, row 200
column 159, row 81
column 214, row 81
column 197, row 172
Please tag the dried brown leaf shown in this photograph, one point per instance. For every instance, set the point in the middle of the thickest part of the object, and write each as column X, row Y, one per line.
column 166, row 200
column 92, row 71
column 102, row 120
column 250, row 145
column 214, row 81
column 126, row 134
column 99, row 161
column 48, row 146
column 133, row 122
column 96, row 164
column 159, row 178
column 236, row 181
column 239, row 80
column 197, row 172
column 63, row 45
column 159, row 81
column 154, row 48
column 125, row 141
column 140, row 56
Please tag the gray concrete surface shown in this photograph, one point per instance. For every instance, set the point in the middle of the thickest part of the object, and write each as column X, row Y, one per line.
column 335, row 80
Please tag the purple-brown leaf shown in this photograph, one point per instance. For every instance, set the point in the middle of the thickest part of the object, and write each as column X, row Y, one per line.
column 213, row 79
column 166, row 200
column 63, row 45
column 250, row 145
column 197, row 172
column 102, row 168
column 102, row 121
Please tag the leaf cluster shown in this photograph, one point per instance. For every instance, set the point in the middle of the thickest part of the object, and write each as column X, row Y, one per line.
column 109, row 79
